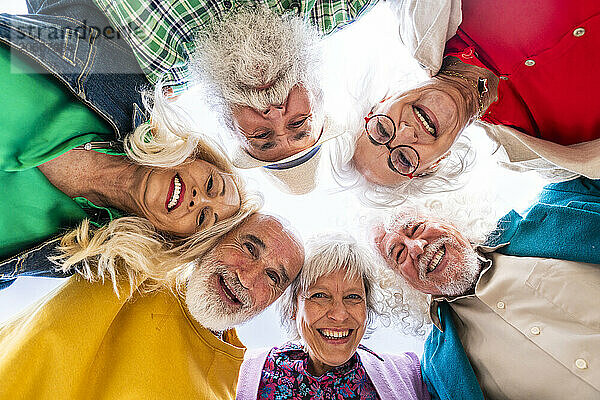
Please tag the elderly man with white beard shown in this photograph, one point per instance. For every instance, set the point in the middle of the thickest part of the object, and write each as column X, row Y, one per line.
column 83, row 341
column 524, row 308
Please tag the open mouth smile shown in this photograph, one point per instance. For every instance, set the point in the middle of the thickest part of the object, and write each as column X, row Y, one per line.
column 175, row 193
column 436, row 260
column 336, row 335
column 425, row 120
column 228, row 292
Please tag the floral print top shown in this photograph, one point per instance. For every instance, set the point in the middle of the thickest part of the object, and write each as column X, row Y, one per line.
column 285, row 376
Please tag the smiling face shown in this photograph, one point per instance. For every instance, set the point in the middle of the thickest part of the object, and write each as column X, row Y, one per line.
column 431, row 255
column 331, row 319
column 428, row 118
column 248, row 270
column 188, row 198
column 281, row 130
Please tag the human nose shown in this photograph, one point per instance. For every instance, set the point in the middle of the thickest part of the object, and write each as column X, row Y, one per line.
column 219, row 205
column 248, row 274
column 337, row 311
column 274, row 112
column 405, row 134
column 415, row 247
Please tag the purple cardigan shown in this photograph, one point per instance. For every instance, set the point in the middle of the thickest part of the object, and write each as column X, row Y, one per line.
column 395, row 376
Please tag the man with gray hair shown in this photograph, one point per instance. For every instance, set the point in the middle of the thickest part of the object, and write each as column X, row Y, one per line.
column 83, row 341
column 258, row 61
column 522, row 306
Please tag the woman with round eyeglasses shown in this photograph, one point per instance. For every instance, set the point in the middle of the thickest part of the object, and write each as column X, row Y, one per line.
column 527, row 76
column 381, row 130
column 328, row 309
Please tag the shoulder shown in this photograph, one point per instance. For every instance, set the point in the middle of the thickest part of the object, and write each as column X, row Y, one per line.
column 395, row 376
column 403, row 366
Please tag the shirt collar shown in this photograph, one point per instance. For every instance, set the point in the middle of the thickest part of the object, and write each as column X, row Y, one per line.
column 485, row 260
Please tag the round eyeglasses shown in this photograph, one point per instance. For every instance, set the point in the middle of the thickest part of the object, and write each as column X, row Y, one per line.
column 381, row 130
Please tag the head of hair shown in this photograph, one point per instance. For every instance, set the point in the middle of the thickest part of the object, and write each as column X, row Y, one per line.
column 253, row 58
column 327, row 254
column 471, row 214
column 130, row 247
column 369, row 90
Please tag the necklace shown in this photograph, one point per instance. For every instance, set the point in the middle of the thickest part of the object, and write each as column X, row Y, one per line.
column 481, row 86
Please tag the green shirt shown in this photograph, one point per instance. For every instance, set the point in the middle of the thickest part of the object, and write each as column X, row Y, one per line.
column 161, row 33
column 40, row 121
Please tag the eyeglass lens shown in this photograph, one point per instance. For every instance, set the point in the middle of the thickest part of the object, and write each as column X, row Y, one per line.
column 381, row 130
column 404, row 159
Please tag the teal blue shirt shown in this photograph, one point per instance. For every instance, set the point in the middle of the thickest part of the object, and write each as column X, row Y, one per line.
column 564, row 223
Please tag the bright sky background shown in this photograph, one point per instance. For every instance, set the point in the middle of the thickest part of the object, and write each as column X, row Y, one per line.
column 373, row 37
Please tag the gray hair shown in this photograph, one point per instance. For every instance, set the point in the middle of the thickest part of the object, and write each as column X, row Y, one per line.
column 474, row 219
column 326, row 254
column 254, row 57
column 385, row 299
column 369, row 91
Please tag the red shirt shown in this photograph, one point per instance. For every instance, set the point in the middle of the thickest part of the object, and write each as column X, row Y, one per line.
column 547, row 55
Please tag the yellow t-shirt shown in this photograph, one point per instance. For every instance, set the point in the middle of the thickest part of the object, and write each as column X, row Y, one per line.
column 83, row 342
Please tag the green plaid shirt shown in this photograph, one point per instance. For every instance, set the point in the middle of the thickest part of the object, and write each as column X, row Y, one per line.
column 161, row 32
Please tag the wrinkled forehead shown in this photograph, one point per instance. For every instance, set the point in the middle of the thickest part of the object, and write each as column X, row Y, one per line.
column 279, row 240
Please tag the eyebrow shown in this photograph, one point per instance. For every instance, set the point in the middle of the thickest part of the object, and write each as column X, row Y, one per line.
column 256, row 241
column 285, row 279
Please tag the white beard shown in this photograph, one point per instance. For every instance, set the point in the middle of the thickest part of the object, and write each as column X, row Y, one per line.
column 452, row 284
column 206, row 305
column 254, row 57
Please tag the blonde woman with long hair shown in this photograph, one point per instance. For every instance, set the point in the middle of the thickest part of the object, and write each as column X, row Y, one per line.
column 143, row 211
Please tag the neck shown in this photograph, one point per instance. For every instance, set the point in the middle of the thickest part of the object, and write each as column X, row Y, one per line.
column 478, row 86
column 103, row 179
column 316, row 367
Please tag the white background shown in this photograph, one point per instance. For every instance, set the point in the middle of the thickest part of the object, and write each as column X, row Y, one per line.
column 373, row 37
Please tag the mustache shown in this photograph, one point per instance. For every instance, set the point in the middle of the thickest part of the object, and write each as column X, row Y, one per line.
column 233, row 283
column 430, row 250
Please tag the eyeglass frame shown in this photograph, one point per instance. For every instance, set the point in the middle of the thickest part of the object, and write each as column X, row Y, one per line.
column 391, row 149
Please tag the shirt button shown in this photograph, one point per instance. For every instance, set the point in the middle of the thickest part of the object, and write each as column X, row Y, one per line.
column 530, row 63
column 535, row 330
column 581, row 363
column 579, row 32
column 500, row 305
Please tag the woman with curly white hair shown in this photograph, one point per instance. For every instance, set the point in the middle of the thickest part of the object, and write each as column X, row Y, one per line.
column 521, row 80
column 327, row 309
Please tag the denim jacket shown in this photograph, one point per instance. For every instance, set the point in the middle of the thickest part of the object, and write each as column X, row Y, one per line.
column 73, row 41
